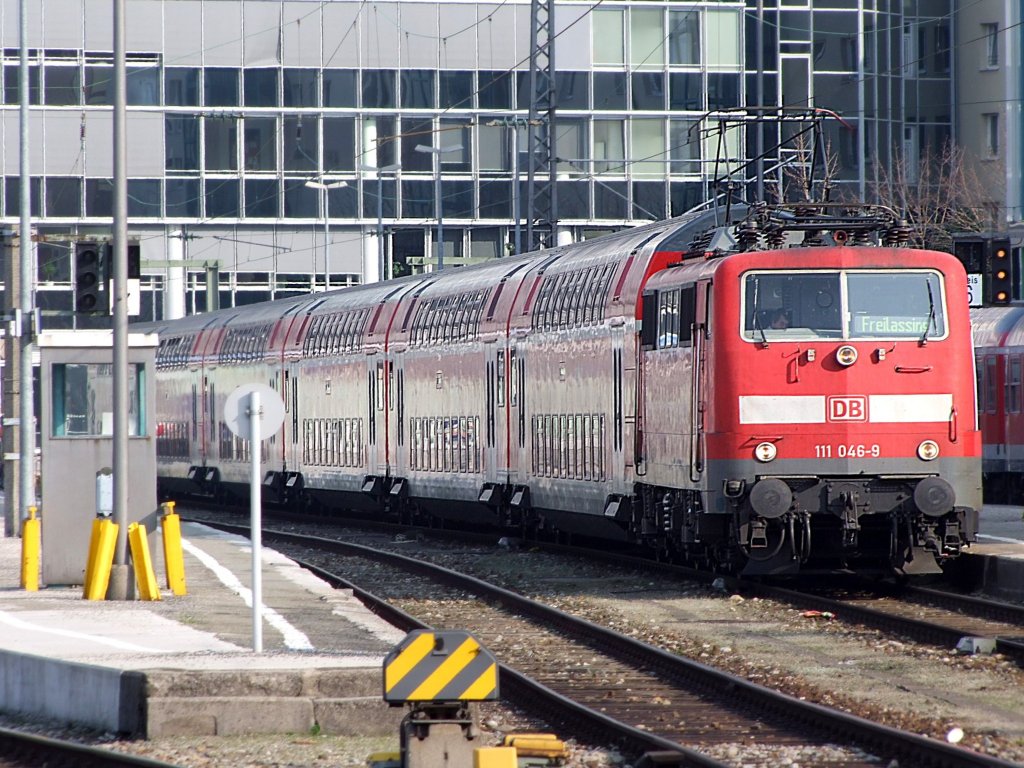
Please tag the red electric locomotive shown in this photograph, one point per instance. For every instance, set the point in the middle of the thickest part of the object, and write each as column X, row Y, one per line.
column 722, row 395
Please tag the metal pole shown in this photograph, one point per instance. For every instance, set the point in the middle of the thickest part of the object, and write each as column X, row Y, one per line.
column 516, row 212
column 380, row 228
column 440, row 223
column 255, row 501
column 27, row 473
column 119, row 582
column 327, row 237
column 759, row 136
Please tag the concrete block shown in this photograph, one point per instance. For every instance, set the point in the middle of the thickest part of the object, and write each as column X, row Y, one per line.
column 367, row 716
column 233, row 714
column 343, row 683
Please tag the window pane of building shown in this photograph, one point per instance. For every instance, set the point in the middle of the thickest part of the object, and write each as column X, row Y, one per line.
column 300, row 88
column 573, row 199
column 260, row 87
column 685, row 91
column 63, row 196
column 301, row 138
column 417, row 199
column 144, row 197
column 260, row 144
column 573, row 90
column 12, row 189
column 646, row 37
column 181, row 142
column 456, row 89
column 723, row 44
column 99, row 197
column 222, row 198
column 414, row 135
column 417, row 89
column 496, row 199
column 723, row 90
column 182, row 198
column 608, row 38
column 388, row 190
column 571, row 146
column 220, row 86
column 457, row 199
column 381, row 142
column 142, row 86
column 648, row 200
column 221, row 137
column 609, row 146
column 339, row 143
column 454, row 137
column 261, row 198
column 181, row 86
column 648, row 147
column 378, row 88
column 610, row 90
column 684, row 196
column 340, row 88
column 610, row 200
column 300, row 201
column 343, row 202
column 63, row 85
column 495, row 90
column 493, row 146
column 99, row 85
column 54, row 264
column 12, row 85
column 684, row 146
column 684, row 38
column 649, row 90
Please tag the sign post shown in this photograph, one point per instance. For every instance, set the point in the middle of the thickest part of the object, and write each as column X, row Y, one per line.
column 249, row 410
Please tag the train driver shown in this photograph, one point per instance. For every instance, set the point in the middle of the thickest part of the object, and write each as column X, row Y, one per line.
column 779, row 319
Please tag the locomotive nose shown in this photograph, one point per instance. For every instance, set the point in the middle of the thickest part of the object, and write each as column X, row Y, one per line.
column 934, row 496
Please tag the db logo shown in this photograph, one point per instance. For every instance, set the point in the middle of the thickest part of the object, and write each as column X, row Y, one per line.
column 850, row 408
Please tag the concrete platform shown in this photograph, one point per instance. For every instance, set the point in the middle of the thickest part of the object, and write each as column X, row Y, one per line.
column 185, row 665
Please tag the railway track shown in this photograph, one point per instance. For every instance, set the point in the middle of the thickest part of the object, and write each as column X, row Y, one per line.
column 606, row 683
column 19, row 749
column 931, row 616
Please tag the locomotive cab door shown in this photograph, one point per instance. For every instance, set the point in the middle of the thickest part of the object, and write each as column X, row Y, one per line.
column 698, row 381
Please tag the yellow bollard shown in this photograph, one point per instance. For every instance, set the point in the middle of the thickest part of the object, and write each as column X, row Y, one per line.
column 97, row 575
column 144, row 576
column 30, row 552
column 90, row 563
column 174, row 559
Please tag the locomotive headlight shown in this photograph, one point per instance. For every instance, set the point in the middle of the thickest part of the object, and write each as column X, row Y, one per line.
column 765, row 452
column 928, row 450
column 846, row 355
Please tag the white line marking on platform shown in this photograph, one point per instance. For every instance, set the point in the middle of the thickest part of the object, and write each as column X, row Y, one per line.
column 1003, row 539
column 6, row 618
column 293, row 638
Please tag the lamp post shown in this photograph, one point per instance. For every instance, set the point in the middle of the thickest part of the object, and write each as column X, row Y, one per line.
column 380, row 213
column 323, row 186
column 437, row 195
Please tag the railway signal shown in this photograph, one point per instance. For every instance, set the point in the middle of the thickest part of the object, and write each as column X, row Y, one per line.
column 91, row 279
column 988, row 259
column 999, row 271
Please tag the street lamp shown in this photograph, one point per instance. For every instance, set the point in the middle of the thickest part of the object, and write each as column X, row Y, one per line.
column 380, row 212
column 437, row 195
column 323, row 186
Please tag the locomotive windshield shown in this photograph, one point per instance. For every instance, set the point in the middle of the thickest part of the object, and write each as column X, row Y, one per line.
column 843, row 304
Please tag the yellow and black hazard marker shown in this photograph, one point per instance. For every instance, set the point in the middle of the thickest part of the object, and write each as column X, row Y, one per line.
column 440, row 666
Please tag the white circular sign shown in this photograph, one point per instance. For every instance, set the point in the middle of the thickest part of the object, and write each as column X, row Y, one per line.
column 236, row 410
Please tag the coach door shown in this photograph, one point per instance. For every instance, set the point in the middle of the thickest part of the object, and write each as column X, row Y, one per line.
column 292, row 434
column 375, row 422
column 698, row 383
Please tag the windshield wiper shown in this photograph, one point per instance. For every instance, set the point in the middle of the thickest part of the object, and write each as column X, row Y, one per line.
column 931, row 312
column 757, row 320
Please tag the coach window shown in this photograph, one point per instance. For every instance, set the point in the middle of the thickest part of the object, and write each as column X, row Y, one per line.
column 1013, row 386
column 668, row 318
column 990, row 384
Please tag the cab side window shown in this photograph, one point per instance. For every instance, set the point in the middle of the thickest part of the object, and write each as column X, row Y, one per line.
column 677, row 309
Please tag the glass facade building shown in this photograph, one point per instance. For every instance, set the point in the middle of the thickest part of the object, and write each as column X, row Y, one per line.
column 245, row 117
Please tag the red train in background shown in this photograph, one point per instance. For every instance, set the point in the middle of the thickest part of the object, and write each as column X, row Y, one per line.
column 999, row 351
column 790, row 391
